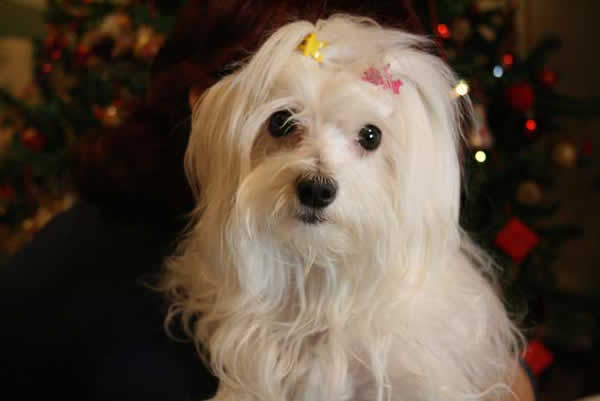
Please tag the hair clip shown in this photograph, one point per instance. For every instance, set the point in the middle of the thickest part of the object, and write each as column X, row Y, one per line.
column 311, row 46
column 382, row 78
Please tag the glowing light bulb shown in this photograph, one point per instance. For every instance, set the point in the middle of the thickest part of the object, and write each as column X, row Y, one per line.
column 443, row 31
column 480, row 156
column 462, row 88
column 111, row 111
column 508, row 59
column 498, row 71
column 530, row 125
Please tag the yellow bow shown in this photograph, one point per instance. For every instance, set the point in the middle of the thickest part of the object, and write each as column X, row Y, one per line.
column 311, row 46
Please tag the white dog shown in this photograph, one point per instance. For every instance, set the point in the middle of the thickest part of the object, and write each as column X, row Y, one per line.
column 324, row 260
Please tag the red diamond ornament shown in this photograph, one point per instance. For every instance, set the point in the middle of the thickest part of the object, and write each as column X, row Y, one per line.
column 537, row 357
column 517, row 240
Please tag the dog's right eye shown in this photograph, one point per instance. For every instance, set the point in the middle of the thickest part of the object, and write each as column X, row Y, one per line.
column 281, row 123
column 369, row 137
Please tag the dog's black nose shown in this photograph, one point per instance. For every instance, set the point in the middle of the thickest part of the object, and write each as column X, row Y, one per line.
column 316, row 192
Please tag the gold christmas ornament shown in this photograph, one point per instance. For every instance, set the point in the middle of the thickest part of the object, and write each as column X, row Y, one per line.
column 147, row 43
column 487, row 33
column 143, row 37
column 119, row 28
column 529, row 193
column 66, row 202
column 116, row 24
column 451, row 54
column 461, row 29
column 6, row 138
column 481, row 60
column 497, row 20
column 110, row 116
column 28, row 224
column 42, row 217
column 565, row 154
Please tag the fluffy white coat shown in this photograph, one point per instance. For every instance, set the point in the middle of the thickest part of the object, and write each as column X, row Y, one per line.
column 387, row 299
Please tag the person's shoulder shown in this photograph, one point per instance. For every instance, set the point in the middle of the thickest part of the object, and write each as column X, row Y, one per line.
column 86, row 242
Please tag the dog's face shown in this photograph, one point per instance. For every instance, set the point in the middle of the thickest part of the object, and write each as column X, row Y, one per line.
column 334, row 157
column 324, row 157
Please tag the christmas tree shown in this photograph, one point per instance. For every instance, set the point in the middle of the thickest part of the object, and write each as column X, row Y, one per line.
column 511, row 157
column 93, row 68
column 91, row 71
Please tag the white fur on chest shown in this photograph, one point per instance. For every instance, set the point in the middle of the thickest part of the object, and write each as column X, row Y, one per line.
column 439, row 338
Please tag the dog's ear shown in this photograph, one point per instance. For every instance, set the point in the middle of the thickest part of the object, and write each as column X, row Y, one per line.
column 431, row 112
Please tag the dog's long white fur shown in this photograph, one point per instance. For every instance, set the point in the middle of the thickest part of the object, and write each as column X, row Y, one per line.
column 387, row 299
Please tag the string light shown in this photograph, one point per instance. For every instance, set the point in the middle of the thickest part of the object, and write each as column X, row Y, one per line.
column 111, row 115
column 443, row 31
column 498, row 71
column 480, row 156
column 462, row 88
column 530, row 125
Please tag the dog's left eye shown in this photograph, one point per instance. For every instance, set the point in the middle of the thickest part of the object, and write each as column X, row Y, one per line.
column 369, row 137
column 281, row 123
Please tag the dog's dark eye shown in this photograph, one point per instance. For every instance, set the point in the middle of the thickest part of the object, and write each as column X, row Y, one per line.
column 281, row 123
column 369, row 137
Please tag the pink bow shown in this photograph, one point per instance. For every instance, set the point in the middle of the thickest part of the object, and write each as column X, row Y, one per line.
column 382, row 78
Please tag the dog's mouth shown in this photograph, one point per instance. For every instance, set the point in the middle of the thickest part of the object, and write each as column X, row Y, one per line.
column 311, row 217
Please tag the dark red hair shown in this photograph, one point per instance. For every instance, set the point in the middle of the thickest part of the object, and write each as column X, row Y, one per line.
column 139, row 166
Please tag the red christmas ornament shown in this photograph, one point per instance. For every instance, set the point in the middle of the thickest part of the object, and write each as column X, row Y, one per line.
column 520, row 97
column 99, row 112
column 82, row 55
column 56, row 54
column 517, row 240
column 537, row 357
column 548, row 78
column 49, row 42
column 54, row 44
column 508, row 60
column 33, row 139
column 76, row 24
column 588, row 148
column 47, row 68
column 7, row 192
column 53, row 41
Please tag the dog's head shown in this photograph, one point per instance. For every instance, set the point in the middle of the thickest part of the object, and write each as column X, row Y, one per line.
column 352, row 142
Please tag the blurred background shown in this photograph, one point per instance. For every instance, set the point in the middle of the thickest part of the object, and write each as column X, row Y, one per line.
column 72, row 70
